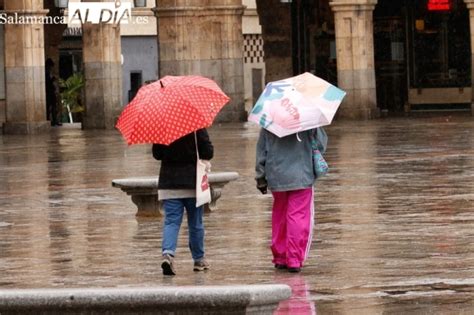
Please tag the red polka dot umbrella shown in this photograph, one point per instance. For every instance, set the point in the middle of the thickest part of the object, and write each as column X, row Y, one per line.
column 170, row 108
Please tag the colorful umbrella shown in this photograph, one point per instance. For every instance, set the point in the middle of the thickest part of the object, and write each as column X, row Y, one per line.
column 295, row 104
column 170, row 108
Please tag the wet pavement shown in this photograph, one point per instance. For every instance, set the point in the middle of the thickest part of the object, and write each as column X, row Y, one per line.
column 394, row 230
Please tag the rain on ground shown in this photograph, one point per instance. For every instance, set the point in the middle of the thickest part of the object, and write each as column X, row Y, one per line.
column 394, row 228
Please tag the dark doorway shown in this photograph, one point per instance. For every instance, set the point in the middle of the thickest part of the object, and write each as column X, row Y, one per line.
column 257, row 84
column 313, row 39
column 422, row 55
column 390, row 55
column 70, row 62
column 439, row 43
column 136, row 81
column 440, row 55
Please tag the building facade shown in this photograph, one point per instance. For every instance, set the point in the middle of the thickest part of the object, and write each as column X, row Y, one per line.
column 139, row 51
column 390, row 56
column 202, row 38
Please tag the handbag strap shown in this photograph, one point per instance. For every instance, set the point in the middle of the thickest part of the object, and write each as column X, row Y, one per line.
column 314, row 139
column 196, row 142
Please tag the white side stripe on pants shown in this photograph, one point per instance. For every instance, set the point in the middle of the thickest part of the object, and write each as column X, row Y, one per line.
column 311, row 226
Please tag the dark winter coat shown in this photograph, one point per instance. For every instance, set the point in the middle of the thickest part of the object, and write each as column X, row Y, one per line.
column 178, row 160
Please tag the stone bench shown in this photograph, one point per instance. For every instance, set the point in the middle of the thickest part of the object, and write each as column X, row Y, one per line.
column 144, row 191
column 239, row 299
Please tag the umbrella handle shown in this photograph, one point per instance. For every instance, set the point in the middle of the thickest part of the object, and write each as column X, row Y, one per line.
column 161, row 83
column 298, row 137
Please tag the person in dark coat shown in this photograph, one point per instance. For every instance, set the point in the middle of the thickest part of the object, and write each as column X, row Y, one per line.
column 177, row 190
column 51, row 98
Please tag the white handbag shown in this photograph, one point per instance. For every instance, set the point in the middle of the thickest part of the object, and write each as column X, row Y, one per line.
column 203, row 189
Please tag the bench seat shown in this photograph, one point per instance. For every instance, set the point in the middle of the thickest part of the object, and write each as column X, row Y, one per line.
column 144, row 191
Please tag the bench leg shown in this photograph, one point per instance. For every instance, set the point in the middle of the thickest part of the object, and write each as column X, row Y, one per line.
column 216, row 191
column 148, row 205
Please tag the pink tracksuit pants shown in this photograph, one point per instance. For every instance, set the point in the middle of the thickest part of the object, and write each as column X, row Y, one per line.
column 292, row 226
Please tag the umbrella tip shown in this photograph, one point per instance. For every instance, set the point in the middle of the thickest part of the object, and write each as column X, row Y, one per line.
column 161, row 83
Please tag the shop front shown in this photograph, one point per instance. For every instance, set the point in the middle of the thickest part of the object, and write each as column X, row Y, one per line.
column 422, row 55
column 392, row 57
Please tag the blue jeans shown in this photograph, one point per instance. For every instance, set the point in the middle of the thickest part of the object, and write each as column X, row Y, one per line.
column 174, row 210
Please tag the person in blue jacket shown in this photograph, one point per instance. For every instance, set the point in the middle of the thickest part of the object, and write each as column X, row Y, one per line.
column 285, row 166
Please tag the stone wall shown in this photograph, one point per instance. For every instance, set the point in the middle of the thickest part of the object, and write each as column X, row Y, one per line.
column 102, row 74
column 2, row 78
column 24, row 71
column 275, row 18
column 355, row 57
column 204, row 38
column 140, row 55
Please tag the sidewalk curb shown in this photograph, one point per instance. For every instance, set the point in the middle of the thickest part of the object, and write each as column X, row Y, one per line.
column 239, row 299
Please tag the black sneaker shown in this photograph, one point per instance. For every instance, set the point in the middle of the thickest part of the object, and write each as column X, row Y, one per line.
column 167, row 265
column 201, row 265
column 294, row 270
column 280, row 266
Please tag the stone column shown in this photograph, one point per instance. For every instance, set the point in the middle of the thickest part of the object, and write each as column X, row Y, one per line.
column 24, row 69
column 275, row 18
column 470, row 6
column 355, row 57
column 102, row 74
column 204, row 39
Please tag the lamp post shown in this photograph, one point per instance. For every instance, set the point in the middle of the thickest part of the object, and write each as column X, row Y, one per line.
column 61, row 4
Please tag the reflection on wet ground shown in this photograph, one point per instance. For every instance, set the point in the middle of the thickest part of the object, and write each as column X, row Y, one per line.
column 394, row 228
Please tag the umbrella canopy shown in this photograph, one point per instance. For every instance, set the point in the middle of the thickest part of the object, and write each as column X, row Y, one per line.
column 170, row 108
column 296, row 104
